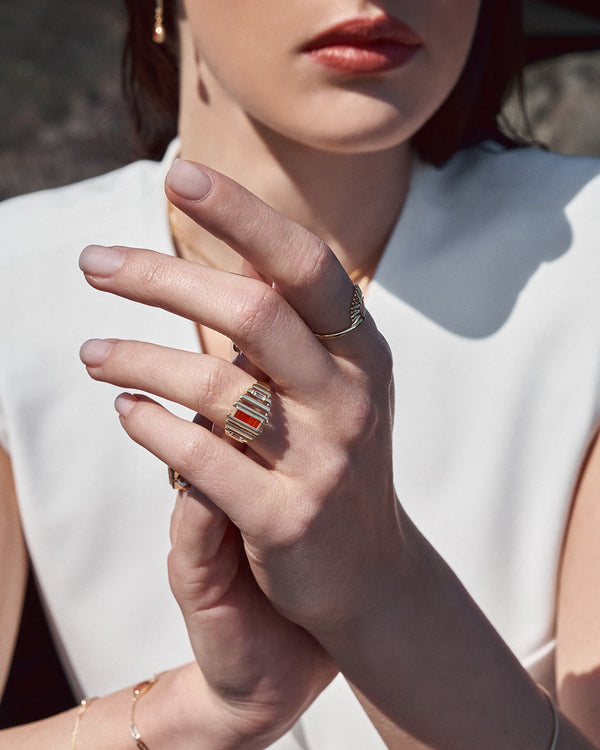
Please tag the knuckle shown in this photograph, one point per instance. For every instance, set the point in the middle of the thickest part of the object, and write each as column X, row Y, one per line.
column 375, row 359
column 176, row 571
column 194, row 453
column 207, row 385
column 365, row 419
column 173, row 570
column 258, row 311
column 313, row 260
column 258, row 218
column 139, row 420
column 313, row 499
column 152, row 274
column 368, row 405
column 383, row 361
column 336, row 467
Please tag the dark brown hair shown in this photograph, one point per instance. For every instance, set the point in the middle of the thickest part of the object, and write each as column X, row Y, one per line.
column 150, row 77
column 467, row 117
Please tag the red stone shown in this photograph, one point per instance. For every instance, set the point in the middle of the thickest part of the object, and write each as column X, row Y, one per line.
column 243, row 417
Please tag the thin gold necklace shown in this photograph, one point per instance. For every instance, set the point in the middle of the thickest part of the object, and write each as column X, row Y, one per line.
column 360, row 276
column 182, row 245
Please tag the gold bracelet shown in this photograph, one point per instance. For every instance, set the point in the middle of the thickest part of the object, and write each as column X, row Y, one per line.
column 555, row 719
column 83, row 707
column 138, row 691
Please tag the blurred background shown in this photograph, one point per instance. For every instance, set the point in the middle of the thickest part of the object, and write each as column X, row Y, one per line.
column 62, row 119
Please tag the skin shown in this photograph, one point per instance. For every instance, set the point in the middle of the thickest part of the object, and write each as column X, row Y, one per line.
column 13, row 563
column 275, row 89
column 394, row 619
column 297, row 135
column 578, row 620
column 248, row 556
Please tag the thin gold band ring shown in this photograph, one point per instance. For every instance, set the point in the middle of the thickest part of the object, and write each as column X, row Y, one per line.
column 357, row 316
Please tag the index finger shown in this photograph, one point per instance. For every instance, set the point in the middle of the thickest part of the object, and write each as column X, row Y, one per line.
column 304, row 269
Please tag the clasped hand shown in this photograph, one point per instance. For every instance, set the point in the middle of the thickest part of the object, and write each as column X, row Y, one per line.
column 285, row 543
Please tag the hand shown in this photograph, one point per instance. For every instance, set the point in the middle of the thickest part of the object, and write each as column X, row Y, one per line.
column 312, row 497
column 261, row 670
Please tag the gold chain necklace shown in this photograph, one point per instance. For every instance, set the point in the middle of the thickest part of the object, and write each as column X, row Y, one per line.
column 360, row 276
column 181, row 244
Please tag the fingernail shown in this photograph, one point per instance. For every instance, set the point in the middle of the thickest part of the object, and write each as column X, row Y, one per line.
column 94, row 352
column 124, row 403
column 97, row 260
column 188, row 180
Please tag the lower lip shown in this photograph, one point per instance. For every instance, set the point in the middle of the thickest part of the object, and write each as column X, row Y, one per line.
column 375, row 57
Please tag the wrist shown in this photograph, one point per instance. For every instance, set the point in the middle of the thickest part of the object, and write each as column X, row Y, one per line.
column 183, row 712
column 386, row 585
column 178, row 714
column 427, row 650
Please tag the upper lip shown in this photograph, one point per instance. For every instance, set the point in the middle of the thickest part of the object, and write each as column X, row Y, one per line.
column 357, row 31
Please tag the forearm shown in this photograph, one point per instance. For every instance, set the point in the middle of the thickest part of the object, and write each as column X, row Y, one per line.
column 13, row 567
column 432, row 672
column 177, row 713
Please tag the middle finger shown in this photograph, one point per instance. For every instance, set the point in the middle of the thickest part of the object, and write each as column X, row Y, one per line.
column 248, row 311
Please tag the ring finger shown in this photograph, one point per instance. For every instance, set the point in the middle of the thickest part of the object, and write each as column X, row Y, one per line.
column 205, row 384
column 212, row 466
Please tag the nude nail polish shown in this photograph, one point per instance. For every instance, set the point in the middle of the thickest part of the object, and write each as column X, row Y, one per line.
column 97, row 260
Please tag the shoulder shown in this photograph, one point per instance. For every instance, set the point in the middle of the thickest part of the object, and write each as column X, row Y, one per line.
column 30, row 223
column 500, row 236
column 528, row 177
column 43, row 234
column 513, row 197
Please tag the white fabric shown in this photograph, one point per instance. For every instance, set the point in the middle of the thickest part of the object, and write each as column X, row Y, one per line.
column 487, row 294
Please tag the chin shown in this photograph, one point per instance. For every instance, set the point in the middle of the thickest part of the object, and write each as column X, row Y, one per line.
column 365, row 137
column 362, row 140
column 367, row 129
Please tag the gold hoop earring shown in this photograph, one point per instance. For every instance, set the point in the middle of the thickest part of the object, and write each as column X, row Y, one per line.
column 158, row 32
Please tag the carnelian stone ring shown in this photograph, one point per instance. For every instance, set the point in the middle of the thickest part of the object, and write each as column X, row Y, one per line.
column 250, row 413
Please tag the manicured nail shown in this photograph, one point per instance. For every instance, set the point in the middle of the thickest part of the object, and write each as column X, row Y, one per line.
column 97, row 260
column 188, row 180
column 94, row 352
column 124, row 403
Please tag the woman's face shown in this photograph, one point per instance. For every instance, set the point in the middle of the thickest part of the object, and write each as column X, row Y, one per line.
column 340, row 75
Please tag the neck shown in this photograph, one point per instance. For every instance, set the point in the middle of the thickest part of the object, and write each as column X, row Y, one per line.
column 351, row 201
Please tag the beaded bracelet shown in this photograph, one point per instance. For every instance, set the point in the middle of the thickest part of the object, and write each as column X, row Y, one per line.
column 554, row 740
column 83, row 707
column 138, row 691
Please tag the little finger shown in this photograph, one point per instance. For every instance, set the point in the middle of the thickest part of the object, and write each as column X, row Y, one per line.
column 214, row 467
column 223, row 393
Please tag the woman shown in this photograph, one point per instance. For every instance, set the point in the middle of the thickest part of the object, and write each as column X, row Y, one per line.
column 486, row 280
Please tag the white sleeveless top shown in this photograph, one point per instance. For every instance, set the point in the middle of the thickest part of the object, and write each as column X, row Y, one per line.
column 488, row 296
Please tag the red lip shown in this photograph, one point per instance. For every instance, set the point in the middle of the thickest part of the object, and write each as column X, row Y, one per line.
column 364, row 45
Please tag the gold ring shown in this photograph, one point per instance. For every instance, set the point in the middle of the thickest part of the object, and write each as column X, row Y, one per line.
column 178, row 482
column 357, row 315
column 250, row 413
